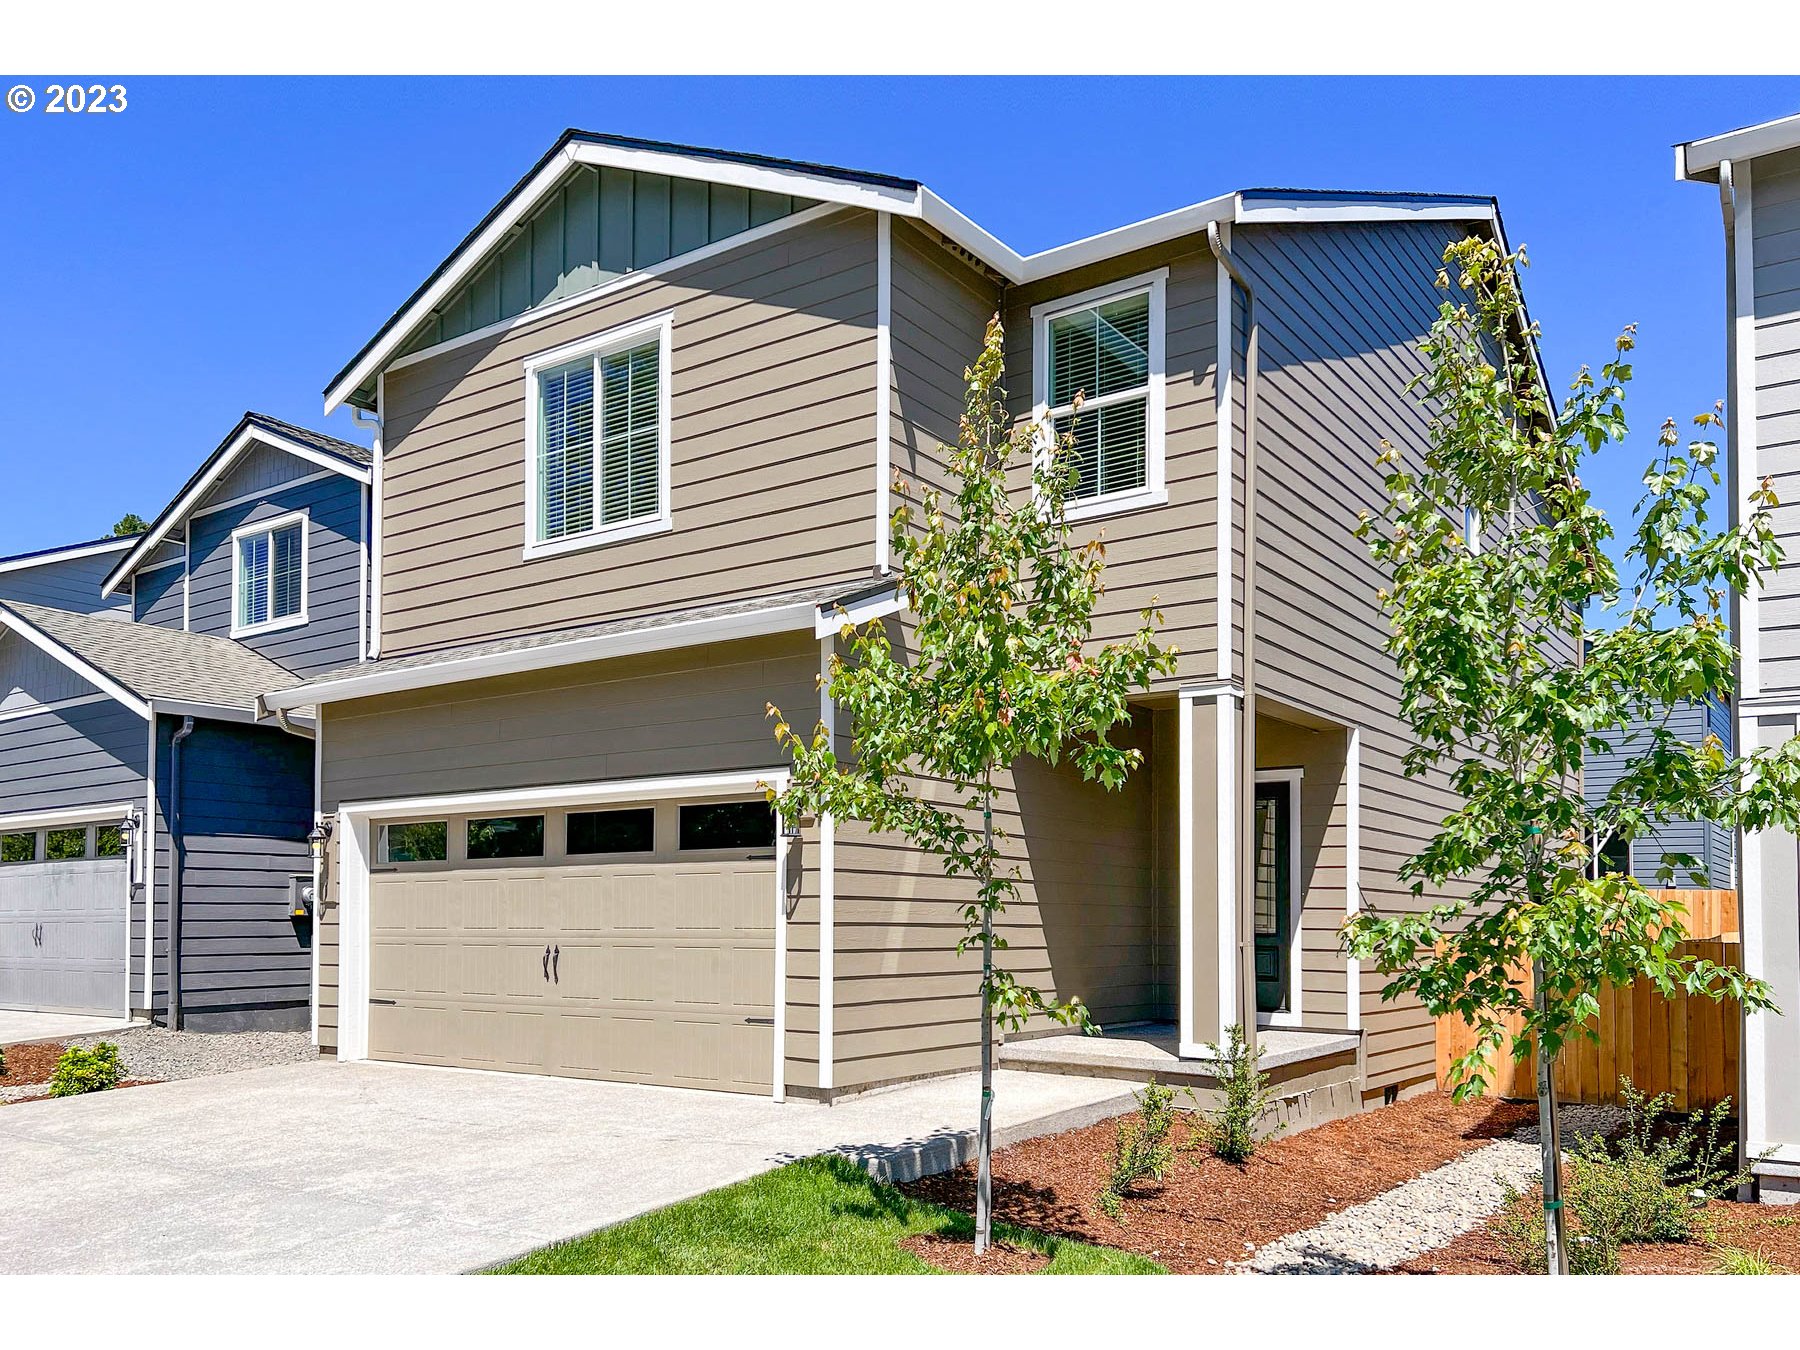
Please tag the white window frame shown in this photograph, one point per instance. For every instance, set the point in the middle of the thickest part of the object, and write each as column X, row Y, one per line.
column 662, row 326
column 1292, row 780
column 269, row 526
column 1155, row 285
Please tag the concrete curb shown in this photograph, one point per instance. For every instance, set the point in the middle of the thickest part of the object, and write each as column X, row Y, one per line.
column 916, row 1158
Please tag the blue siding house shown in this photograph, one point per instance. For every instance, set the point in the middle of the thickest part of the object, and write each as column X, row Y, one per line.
column 153, row 831
column 1708, row 843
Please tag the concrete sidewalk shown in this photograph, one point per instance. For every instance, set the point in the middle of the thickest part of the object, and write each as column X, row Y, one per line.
column 17, row 1026
column 385, row 1168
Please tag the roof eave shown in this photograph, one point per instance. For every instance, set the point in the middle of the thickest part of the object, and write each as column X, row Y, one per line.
column 1698, row 161
column 113, row 688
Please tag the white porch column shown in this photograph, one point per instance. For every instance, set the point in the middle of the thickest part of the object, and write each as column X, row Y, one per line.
column 1207, row 1002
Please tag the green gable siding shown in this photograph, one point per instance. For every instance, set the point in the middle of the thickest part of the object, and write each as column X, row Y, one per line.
column 598, row 225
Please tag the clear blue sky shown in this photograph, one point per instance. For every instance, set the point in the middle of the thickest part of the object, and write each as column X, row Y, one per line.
column 229, row 244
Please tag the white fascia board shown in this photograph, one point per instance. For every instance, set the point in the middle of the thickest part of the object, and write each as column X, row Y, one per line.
column 966, row 234
column 183, row 506
column 63, row 656
column 216, row 712
column 62, row 555
column 831, row 621
column 756, row 177
column 798, row 618
column 1161, row 229
column 573, row 794
column 1330, row 213
column 72, row 815
column 1698, row 161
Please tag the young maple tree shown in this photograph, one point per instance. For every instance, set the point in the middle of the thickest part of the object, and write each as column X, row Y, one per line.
column 1519, row 650
column 995, row 665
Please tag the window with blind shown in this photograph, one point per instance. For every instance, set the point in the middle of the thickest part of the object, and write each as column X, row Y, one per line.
column 270, row 581
column 1106, row 348
column 599, row 441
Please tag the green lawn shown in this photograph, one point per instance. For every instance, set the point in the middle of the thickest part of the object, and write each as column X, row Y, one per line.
column 822, row 1216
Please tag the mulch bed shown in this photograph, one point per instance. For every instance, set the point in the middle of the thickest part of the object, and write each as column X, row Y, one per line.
column 1771, row 1230
column 31, row 1063
column 957, row 1256
column 1203, row 1216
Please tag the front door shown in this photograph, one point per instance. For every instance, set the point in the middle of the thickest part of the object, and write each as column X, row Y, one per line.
column 1274, row 892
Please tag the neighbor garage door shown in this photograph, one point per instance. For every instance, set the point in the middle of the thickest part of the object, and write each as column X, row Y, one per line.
column 633, row 943
column 62, row 922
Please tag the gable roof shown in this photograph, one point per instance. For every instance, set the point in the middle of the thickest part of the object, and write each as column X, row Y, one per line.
column 836, row 187
column 1699, row 160
column 253, row 428
column 139, row 664
column 44, row 557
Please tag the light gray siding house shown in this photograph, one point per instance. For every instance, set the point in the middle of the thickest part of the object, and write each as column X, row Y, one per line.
column 637, row 439
column 1710, row 844
column 1756, row 173
column 67, row 578
column 154, row 831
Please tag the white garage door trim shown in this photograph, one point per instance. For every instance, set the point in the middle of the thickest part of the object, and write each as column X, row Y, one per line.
column 355, row 819
column 110, row 814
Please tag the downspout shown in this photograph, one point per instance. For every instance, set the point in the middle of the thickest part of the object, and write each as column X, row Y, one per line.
column 370, row 642
column 177, row 862
column 1246, row 860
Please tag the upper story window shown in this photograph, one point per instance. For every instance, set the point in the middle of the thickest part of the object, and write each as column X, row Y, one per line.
column 597, row 439
column 1106, row 345
column 268, row 588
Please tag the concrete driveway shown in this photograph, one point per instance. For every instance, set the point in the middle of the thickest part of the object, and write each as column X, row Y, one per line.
column 383, row 1168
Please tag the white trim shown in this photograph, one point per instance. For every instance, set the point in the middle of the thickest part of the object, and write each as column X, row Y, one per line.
column 39, row 709
column 303, row 519
column 795, row 182
column 1212, row 689
column 1331, row 213
column 152, row 832
column 376, row 483
column 1227, row 825
column 1353, row 871
column 65, row 554
column 884, row 374
column 858, row 612
column 178, row 512
column 625, row 336
column 1750, row 934
column 318, row 868
column 827, row 884
column 1187, row 1040
column 67, row 816
column 61, row 654
column 362, row 575
column 261, row 495
column 1224, row 462
column 187, row 576
column 1743, row 412
column 1291, row 779
column 756, row 235
column 1154, row 285
column 689, row 633
column 1700, row 160
column 778, row 995
column 356, row 818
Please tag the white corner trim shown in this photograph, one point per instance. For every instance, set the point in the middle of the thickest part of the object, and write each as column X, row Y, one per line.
column 1292, row 779
column 827, row 887
column 111, row 813
column 39, row 709
column 884, row 379
column 320, row 865
column 152, row 830
column 1353, row 871
column 659, row 326
column 61, row 654
column 1743, row 410
column 1756, row 1038
column 62, row 555
column 778, row 996
column 1225, row 464
column 376, row 481
column 362, row 574
column 1227, row 891
column 1187, row 1043
column 187, row 576
column 1153, row 284
column 178, row 511
column 303, row 519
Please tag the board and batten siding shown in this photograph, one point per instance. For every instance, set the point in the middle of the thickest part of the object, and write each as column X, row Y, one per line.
column 773, row 402
column 69, row 583
column 1775, row 227
column 697, row 711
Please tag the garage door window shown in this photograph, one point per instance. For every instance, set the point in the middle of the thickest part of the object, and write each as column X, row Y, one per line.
column 18, row 848
column 64, row 845
column 506, row 837
column 109, row 842
column 416, row 841
column 630, row 831
column 728, row 825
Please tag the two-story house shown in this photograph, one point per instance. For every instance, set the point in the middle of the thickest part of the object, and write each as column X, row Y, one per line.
column 1756, row 171
column 154, row 854
column 637, row 437
column 1707, row 842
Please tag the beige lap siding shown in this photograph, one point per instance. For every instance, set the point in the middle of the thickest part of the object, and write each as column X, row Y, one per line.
column 698, row 711
column 773, row 404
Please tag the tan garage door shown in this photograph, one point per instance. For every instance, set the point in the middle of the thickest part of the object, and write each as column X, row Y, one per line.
column 657, row 969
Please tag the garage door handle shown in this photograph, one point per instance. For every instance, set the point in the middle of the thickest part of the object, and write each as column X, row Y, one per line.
column 759, row 1021
column 556, row 964
column 546, row 965
column 384, row 1002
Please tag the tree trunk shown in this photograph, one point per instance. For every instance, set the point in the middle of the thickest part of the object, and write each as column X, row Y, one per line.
column 984, row 1174
column 1556, row 1246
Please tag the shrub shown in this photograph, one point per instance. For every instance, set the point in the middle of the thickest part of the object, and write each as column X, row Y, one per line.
column 86, row 1070
column 1244, row 1097
column 1142, row 1149
column 1520, row 1233
column 1737, row 1261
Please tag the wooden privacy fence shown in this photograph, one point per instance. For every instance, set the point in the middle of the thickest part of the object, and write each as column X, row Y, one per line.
column 1686, row 1046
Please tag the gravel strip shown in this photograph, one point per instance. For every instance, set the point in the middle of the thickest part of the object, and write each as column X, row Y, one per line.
column 159, row 1054
column 1427, row 1212
column 24, row 1092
